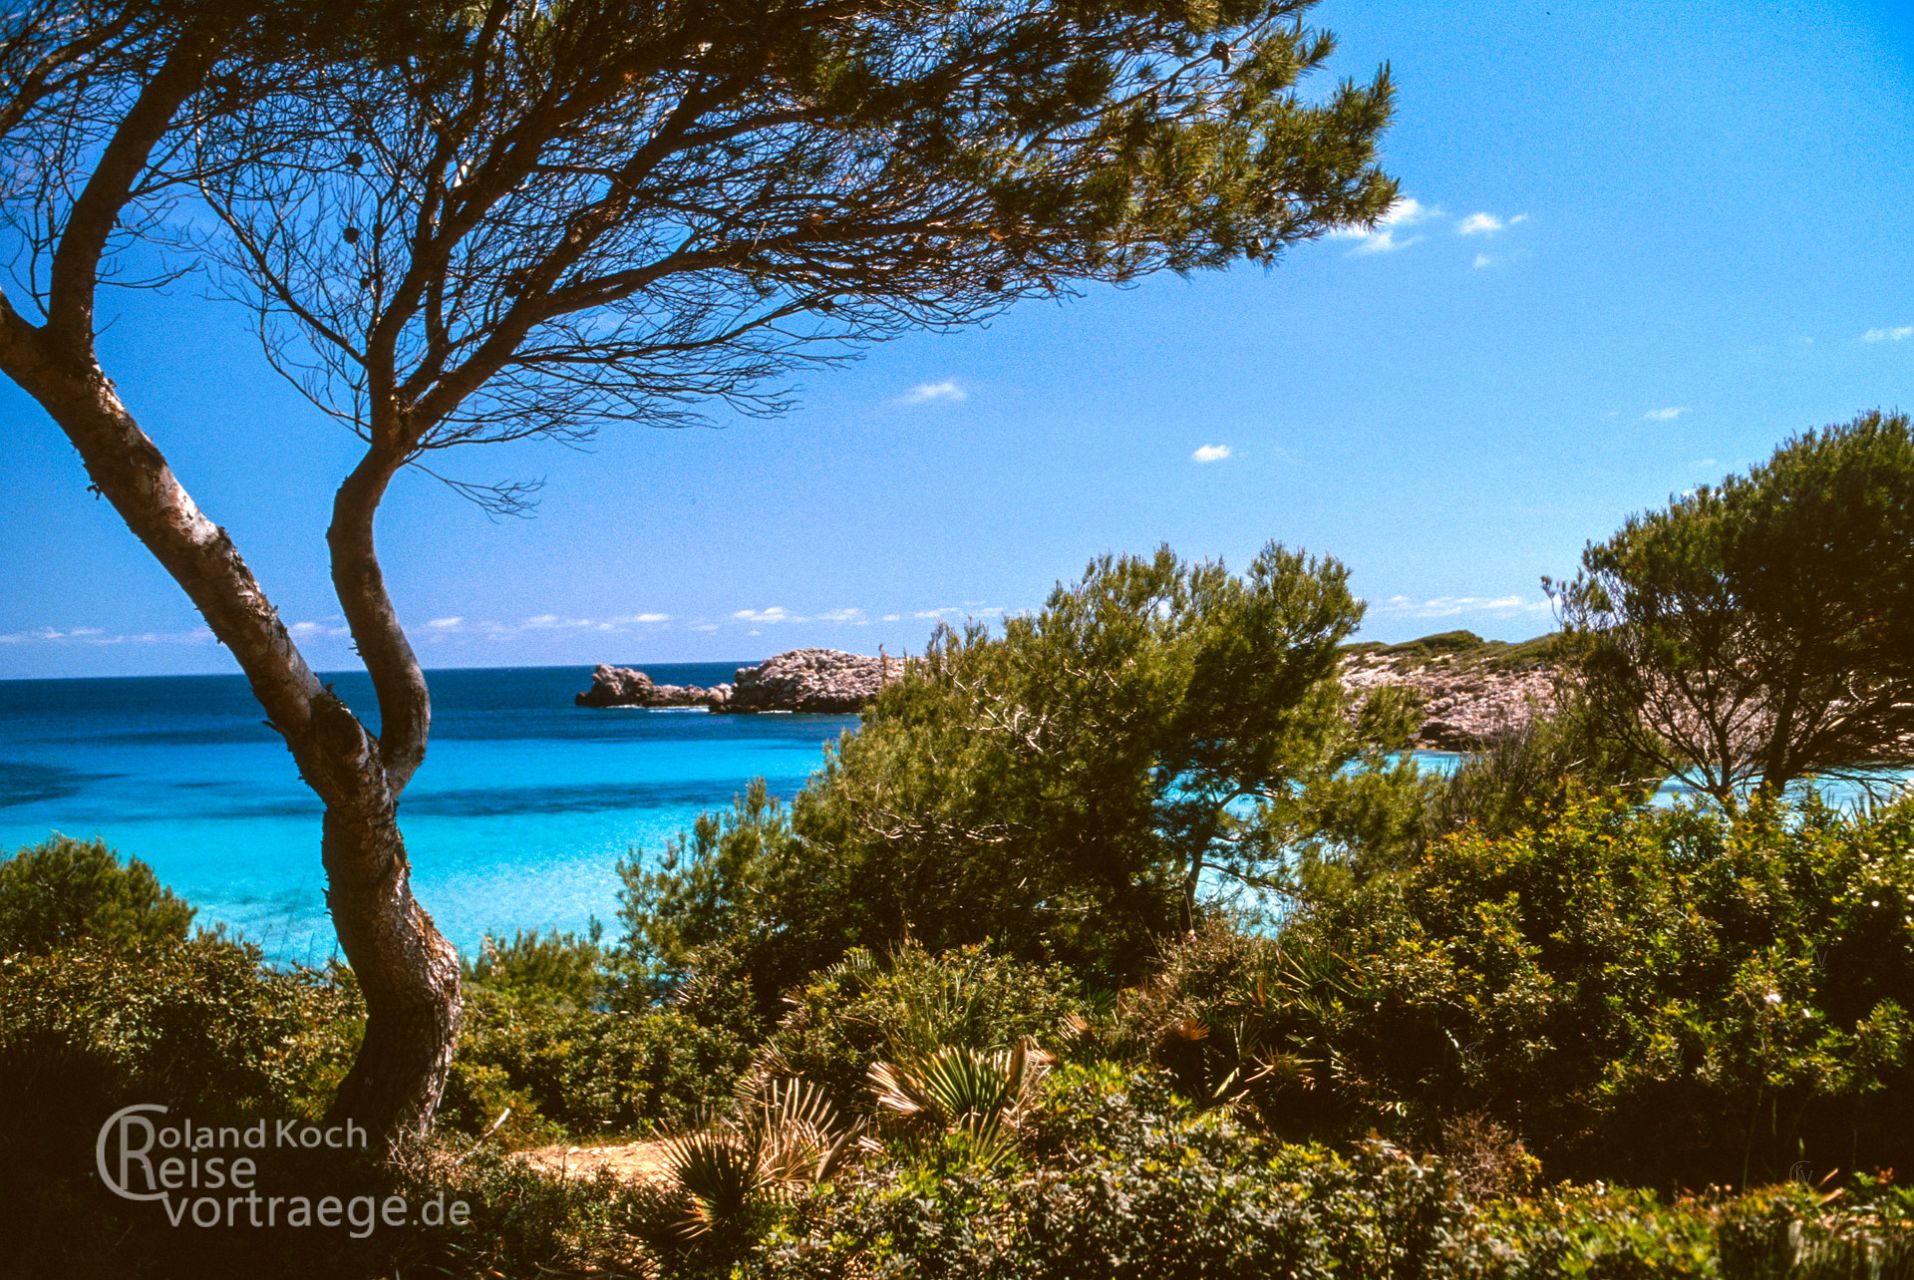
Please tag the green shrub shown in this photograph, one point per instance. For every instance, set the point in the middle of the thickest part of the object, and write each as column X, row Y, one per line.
column 865, row 1009
column 524, row 1221
column 552, row 966
column 198, row 1026
column 585, row 1074
column 1657, row 995
column 1235, row 1016
column 1120, row 1177
column 1526, row 774
column 65, row 891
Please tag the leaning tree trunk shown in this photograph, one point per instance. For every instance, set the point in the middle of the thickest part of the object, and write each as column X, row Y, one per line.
column 408, row 972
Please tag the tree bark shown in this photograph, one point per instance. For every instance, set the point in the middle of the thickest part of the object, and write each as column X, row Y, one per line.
column 408, row 972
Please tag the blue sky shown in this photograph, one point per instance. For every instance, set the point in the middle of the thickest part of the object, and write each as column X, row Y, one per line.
column 1646, row 243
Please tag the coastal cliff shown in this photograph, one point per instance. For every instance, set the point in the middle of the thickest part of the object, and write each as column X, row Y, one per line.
column 1470, row 687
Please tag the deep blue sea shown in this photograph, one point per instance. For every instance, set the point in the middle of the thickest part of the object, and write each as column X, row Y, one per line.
column 517, row 820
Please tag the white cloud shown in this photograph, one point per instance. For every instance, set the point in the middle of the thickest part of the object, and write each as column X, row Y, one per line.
column 446, row 624
column 1381, row 238
column 1668, row 414
column 776, row 613
column 1483, row 260
column 926, row 392
column 1451, row 606
column 892, row 617
column 1211, row 453
column 1899, row 333
column 847, row 614
column 1487, row 224
column 704, row 626
column 307, row 630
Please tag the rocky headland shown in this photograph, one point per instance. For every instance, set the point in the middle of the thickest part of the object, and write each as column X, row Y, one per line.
column 827, row 681
column 815, row 681
column 1470, row 687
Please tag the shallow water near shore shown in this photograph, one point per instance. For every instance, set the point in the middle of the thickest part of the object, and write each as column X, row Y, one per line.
column 517, row 820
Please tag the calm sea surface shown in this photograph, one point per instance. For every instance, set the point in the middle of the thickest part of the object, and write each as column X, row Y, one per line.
column 523, row 808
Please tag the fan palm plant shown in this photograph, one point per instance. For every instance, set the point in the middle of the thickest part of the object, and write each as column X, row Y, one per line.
column 782, row 1136
column 956, row 1089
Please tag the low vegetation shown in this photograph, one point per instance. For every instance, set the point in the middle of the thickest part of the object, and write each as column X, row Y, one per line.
column 1120, row 943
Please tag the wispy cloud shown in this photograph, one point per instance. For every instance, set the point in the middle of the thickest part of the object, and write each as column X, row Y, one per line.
column 926, row 392
column 1211, row 453
column 1452, row 606
column 1487, row 224
column 1385, row 236
column 311, row 630
column 1483, row 260
column 955, row 611
column 1668, row 414
column 101, row 636
column 1899, row 333
column 458, row 626
column 776, row 613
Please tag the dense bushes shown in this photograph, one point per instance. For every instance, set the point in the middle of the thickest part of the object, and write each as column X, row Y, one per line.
column 1651, row 994
column 198, row 1026
column 65, row 891
column 867, row 1009
column 554, row 1045
column 1120, row 1177
column 1661, row 996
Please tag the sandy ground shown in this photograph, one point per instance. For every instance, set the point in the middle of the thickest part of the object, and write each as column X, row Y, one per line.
column 637, row 1161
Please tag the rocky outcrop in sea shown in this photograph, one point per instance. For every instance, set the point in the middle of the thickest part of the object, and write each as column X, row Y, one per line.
column 824, row 681
column 628, row 687
column 814, row 680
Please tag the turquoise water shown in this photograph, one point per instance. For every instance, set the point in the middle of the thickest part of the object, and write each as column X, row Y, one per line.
column 516, row 821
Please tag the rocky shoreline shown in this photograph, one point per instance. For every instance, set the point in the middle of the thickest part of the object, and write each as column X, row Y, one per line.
column 1464, row 702
column 1471, row 688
